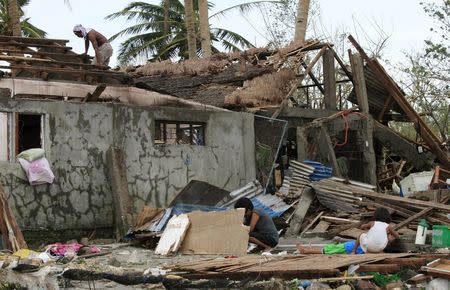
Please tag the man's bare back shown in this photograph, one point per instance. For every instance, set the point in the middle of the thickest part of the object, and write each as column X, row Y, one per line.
column 96, row 37
column 102, row 48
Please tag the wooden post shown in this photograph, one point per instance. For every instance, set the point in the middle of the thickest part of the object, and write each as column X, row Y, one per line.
column 327, row 151
column 370, row 170
column 329, row 80
column 359, row 81
column 306, row 199
column 302, row 144
column 119, row 188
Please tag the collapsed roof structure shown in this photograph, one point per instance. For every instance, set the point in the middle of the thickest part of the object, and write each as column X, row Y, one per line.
column 306, row 103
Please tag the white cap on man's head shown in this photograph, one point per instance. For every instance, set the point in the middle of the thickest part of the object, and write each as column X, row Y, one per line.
column 78, row 27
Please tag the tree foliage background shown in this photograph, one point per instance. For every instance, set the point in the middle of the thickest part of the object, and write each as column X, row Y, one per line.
column 426, row 74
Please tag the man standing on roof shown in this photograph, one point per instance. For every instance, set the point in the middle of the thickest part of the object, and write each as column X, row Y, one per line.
column 103, row 49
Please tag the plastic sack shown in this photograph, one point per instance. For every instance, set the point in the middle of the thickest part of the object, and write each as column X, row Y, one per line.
column 38, row 171
column 32, row 154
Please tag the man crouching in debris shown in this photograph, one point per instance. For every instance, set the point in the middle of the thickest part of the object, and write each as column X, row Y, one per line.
column 262, row 229
column 103, row 49
column 380, row 234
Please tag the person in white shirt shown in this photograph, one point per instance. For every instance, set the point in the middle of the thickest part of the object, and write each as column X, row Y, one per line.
column 379, row 235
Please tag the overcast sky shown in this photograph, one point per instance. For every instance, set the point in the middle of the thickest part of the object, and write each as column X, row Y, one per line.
column 403, row 20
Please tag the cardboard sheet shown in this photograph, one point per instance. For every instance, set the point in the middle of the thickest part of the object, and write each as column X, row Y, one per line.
column 220, row 233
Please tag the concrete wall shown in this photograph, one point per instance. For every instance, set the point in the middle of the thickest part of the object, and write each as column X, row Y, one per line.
column 76, row 137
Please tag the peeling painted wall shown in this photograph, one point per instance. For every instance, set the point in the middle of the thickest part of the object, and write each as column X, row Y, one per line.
column 76, row 138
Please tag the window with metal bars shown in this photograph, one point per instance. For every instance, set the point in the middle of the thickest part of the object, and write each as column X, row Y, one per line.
column 178, row 132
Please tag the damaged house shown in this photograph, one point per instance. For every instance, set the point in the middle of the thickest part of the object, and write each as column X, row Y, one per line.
column 119, row 140
column 160, row 142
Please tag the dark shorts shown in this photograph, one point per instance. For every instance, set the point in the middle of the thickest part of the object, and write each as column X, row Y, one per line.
column 266, row 239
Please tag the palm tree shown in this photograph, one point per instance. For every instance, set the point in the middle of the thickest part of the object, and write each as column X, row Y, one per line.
column 10, row 23
column 204, row 27
column 148, row 38
column 190, row 29
column 302, row 20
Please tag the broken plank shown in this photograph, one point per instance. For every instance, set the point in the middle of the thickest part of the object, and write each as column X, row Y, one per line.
column 339, row 221
column 50, row 69
column 306, row 199
column 44, row 61
column 312, row 223
column 359, row 81
column 405, row 200
column 380, row 268
column 406, row 261
column 352, row 233
column 338, row 229
column 49, row 46
column 12, row 235
column 33, row 40
column 342, row 279
column 321, row 227
column 413, row 218
column 439, row 268
column 96, row 94
column 173, row 235
column 26, row 51
column 329, row 79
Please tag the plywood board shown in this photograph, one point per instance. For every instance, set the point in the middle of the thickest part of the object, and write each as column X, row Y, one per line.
column 173, row 235
column 220, row 233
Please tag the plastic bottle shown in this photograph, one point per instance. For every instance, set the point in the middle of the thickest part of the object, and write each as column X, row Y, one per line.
column 421, row 234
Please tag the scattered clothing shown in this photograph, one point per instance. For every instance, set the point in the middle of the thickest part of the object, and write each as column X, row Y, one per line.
column 62, row 250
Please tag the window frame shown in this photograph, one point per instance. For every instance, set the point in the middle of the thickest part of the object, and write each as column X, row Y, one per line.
column 13, row 130
column 16, row 130
column 9, row 141
column 161, row 134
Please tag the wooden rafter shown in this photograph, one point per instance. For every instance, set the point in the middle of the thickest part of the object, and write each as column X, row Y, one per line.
column 296, row 84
